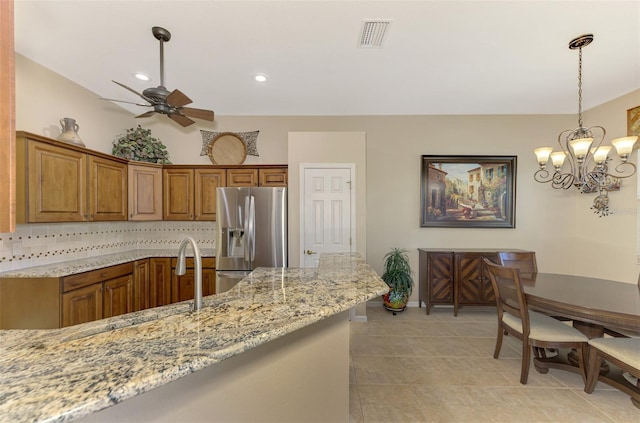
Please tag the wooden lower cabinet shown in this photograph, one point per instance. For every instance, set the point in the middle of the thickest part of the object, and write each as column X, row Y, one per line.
column 141, row 284
column 97, row 294
column 82, row 305
column 182, row 287
column 455, row 277
column 159, row 281
column 117, row 296
column 48, row 303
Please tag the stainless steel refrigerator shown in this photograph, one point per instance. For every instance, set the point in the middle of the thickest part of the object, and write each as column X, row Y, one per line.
column 251, row 232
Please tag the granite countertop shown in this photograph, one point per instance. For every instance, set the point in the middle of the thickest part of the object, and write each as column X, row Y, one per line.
column 62, row 374
column 71, row 267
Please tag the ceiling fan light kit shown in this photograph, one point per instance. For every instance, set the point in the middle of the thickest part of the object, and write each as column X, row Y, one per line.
column 163, row 101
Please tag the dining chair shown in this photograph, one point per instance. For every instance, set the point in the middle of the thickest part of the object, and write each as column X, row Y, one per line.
column 536, row 330
column 523, row 260
column 621, row 352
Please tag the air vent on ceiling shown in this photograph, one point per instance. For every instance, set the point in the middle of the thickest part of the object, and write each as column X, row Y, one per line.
column 373, row 33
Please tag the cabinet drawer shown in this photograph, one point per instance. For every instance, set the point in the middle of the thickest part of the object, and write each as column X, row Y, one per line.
column 207, row 262
column 95, row 276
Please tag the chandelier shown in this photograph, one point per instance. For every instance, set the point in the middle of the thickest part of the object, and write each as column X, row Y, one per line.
column 588, row 157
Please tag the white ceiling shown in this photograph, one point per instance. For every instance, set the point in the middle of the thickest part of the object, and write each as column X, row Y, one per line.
column 439, row 57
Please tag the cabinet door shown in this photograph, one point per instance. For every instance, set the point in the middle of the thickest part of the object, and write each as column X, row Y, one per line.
column 469, row 278
column 118, row 296
column 206, row 182
column 141, row 290
column 440, row 278
column 56, row 184
column 273, row 177
column 82, row 305
column 108, row 190
column 488, row 296
column 183, row 286
column 245, row 177
column 159, row 281
column 145, row 192
column 178, row 194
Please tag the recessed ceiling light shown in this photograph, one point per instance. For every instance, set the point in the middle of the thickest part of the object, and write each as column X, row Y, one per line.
column 260, row 77
column 142, row 76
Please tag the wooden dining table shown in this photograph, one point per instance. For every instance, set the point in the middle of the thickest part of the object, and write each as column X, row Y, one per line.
column 593, row 305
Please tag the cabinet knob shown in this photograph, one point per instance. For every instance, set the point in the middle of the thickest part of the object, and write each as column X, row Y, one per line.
column 104, row 274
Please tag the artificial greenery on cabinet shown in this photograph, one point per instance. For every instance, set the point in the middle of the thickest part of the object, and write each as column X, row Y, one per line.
column 138, row 144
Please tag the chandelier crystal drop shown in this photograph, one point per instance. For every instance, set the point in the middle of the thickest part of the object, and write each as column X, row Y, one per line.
column 583, row 159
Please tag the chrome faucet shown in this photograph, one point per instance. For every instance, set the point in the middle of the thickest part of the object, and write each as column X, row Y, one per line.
column 181, row 269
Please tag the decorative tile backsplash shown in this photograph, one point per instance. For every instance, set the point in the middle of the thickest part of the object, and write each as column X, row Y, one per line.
column 38, row 244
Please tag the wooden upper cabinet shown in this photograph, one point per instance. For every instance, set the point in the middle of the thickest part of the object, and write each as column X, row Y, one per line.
column 59, row 183
column 242, row 177
column 274, row 177
column 145, row 191
column 206, row 182
column 178, row 194
column 108, row 189
column 56, row 184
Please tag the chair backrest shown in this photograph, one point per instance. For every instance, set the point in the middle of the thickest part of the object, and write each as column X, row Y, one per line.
column 523, row 260
column 507, row 288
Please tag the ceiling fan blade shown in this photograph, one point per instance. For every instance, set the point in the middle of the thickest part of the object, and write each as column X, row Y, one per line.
column 124, row 101
column 197, row 113
column 182, row 120
column 132, row 90
column 147, row 114
column 177, row 99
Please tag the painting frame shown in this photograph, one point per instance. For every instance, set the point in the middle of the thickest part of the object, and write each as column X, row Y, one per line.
column 464, row 191
column 633, row 121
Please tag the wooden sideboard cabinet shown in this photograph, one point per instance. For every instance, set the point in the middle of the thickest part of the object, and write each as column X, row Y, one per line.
column 455, row 277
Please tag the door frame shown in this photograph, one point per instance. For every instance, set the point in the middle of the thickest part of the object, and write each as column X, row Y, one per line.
column 352, row 199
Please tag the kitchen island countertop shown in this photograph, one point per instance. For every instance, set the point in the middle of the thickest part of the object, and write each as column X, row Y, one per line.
column 62, row 374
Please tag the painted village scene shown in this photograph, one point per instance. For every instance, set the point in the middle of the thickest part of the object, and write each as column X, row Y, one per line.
column 456, row 192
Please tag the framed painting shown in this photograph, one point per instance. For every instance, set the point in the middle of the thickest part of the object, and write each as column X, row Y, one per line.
column 633, row 121
column 468, row 191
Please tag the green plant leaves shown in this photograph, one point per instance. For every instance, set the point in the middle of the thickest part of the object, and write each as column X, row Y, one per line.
column 138, row 144
column 397, row 272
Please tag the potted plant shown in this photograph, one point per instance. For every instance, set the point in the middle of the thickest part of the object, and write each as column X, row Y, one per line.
column 138, row 144
column 397, row 274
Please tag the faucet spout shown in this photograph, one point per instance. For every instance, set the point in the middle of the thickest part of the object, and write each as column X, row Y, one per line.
column 181, row 268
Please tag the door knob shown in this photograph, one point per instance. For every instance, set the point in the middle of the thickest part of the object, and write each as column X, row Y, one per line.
column 309, row 252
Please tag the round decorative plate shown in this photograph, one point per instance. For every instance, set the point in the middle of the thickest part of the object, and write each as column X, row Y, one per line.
column 227, row 149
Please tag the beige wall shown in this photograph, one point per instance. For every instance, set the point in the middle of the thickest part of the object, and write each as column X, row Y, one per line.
column 44, row 97
column 558, row 225
column 327, row 147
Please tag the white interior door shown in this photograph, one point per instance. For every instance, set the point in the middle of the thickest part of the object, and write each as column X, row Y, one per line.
column 327, row 218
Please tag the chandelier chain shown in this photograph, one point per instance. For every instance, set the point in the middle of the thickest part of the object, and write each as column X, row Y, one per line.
column 580, row 87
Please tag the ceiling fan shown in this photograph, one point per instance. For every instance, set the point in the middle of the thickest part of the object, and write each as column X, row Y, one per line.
column 170, row 103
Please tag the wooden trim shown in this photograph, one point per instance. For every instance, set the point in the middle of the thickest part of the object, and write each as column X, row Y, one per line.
column 7, row 119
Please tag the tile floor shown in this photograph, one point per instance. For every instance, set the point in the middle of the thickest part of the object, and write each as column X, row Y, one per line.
column 439, row 368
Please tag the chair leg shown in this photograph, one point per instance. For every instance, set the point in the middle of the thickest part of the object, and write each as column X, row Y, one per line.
column 496, row 352
column 526, row 359
column 583, row 362
column 593, row 370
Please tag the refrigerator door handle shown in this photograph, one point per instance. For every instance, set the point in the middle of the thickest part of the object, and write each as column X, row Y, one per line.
column 252, row 227
column 247, row 229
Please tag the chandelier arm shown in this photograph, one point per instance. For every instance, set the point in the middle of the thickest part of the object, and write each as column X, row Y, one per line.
column 562, row 180
column 565, row 148
column 621, row 171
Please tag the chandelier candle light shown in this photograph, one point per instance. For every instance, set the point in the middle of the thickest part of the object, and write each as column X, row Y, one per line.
column 588, row 157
